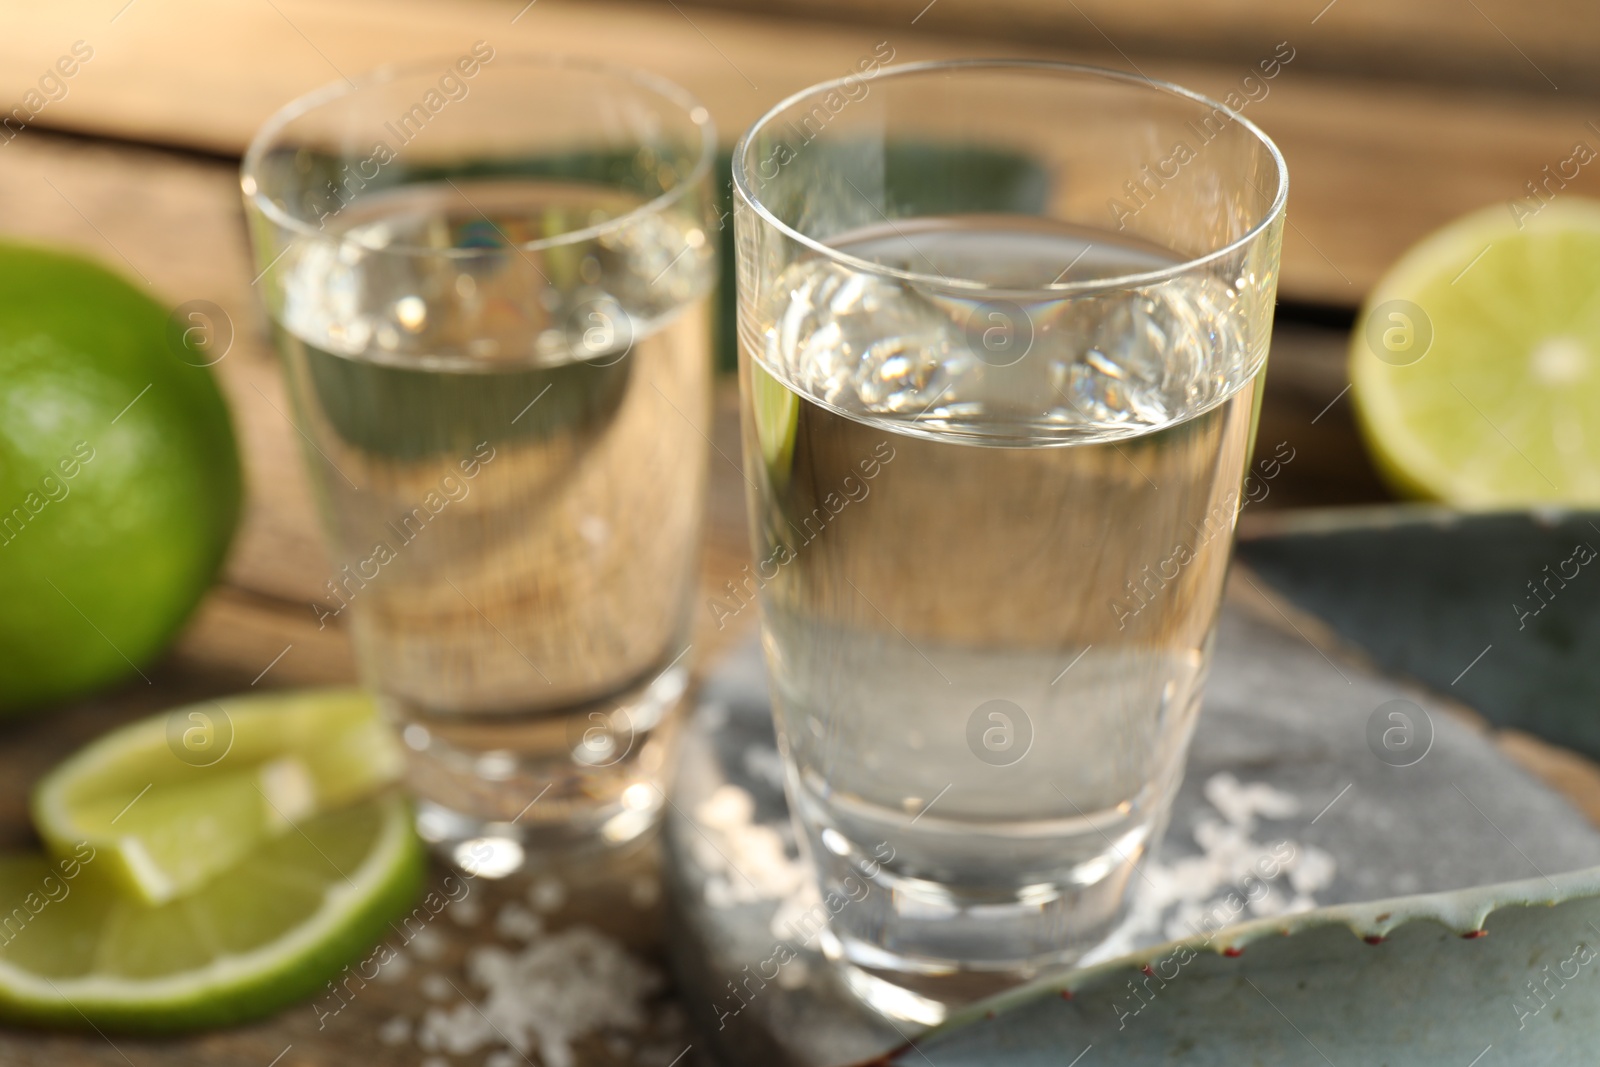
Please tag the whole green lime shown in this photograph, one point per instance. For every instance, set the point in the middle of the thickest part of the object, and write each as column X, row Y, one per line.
column 119, row 478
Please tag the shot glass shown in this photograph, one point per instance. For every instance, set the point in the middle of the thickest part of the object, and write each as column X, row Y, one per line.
column 1003, row 329
column 490, row 278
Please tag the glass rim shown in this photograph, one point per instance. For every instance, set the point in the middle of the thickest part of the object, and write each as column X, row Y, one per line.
column 264, row 138
column 741, row 183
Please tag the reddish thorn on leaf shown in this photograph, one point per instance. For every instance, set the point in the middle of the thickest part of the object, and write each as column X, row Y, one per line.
column 989, row 1014
column 1473, row 935
column 1373, row 939
column 1066, row 994
column 1146, row 969
column 1233, row 952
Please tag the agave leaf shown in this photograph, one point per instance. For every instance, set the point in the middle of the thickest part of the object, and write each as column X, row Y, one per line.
column 1426, row 592
column 1501, row 974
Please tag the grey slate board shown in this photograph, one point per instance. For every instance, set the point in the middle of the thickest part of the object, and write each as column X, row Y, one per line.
column 1276, row 712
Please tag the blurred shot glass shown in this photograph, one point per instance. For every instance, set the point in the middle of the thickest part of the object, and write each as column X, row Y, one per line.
column 491, row 279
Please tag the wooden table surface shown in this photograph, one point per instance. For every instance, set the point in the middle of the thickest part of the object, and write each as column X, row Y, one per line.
column 1376, row 159
column 136, row 166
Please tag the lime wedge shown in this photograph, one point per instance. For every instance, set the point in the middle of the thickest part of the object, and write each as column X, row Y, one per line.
column 1475, row 364
column 775, row 409
column 268, row 931
column 171, row 801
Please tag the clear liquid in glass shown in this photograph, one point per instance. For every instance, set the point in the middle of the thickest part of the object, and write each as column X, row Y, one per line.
column 989, row 569
column 509, row 451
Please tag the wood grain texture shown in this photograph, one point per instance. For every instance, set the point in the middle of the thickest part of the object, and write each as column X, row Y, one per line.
column 1537, row 46
column 1374, row 163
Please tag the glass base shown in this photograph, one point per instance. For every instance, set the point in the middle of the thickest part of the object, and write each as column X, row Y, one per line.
column 487, row 849
column 925, row 991
column 910, row 996
column 493, row 791
column 914, row 949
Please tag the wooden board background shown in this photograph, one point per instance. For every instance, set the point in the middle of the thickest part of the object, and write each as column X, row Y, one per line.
column 1375, row 161
column 1538, row 45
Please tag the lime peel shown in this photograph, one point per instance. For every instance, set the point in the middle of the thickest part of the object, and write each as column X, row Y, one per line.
column 361, row 895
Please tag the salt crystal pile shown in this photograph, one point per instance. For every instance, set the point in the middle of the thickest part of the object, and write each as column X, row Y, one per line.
column 1229, row 877
column 745, row 861
column 545, row 996
column 466, row 912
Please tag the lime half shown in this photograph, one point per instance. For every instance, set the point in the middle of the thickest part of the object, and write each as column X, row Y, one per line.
column 170, row 802
column 1475, row 363
column 266, row 932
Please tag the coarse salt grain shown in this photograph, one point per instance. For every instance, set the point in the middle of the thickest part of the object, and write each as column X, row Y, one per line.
column 517, row 922
column 794, row 974
column 397, row 1031
column 547, row 895
column 396, row 967
column 644, row 892
column 427, row 944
